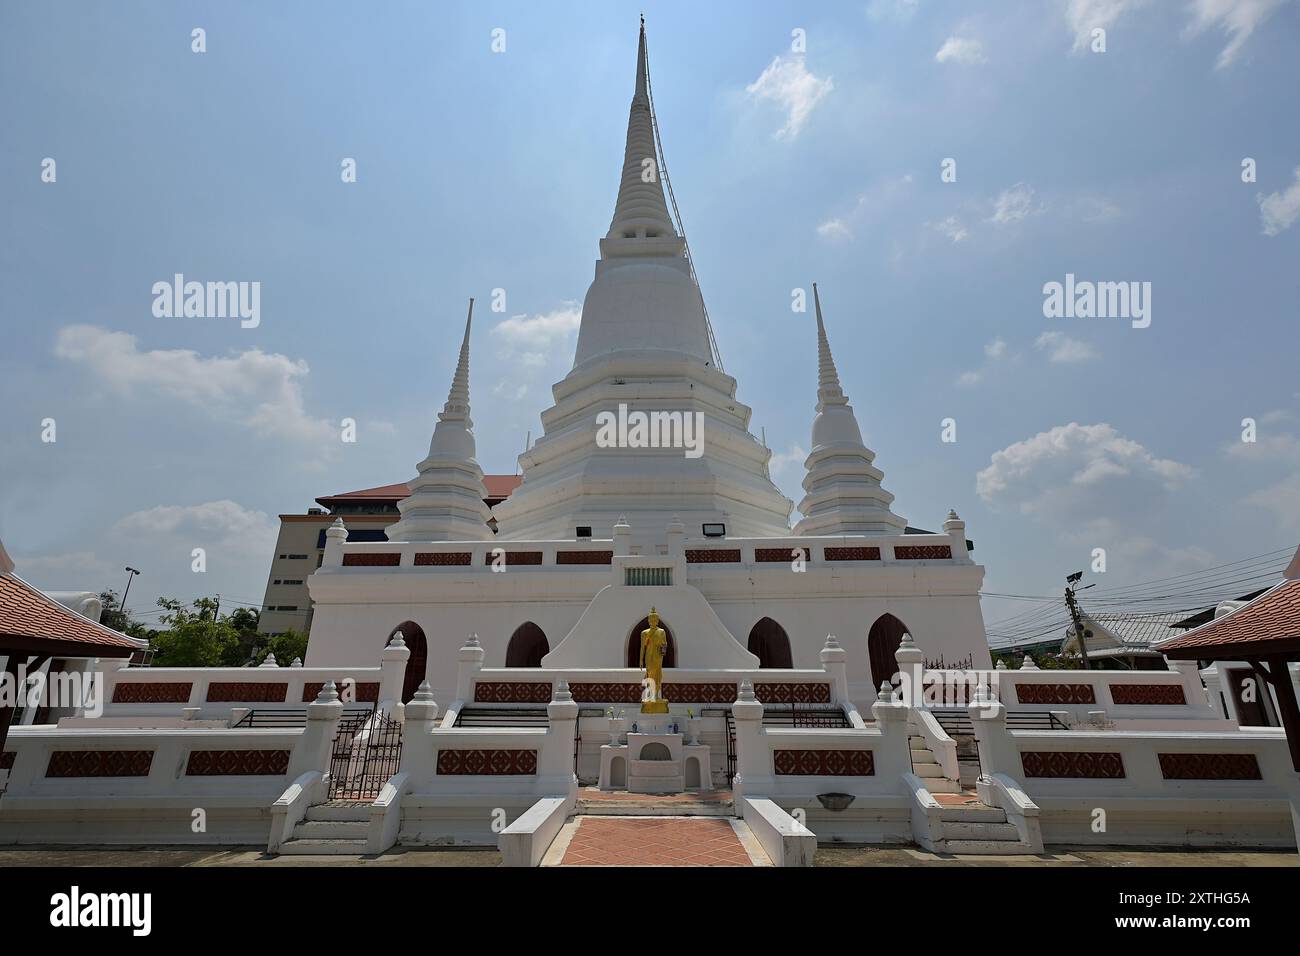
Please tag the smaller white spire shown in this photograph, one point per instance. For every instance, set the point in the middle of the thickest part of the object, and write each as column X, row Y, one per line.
column 843, row 490
column 446, row 500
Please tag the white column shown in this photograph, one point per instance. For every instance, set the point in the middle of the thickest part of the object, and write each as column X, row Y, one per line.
column 313, row 749
column 335, row 537
column 469, row 661
column 392, row 669
column 555, row 776
column 911, row 667
column 833, row 663
column 894, row 757
column 622, row 537
column 753, row 755
column 998, row 752
column 419, row 751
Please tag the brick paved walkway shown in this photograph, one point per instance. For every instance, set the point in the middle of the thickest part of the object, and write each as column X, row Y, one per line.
column 654, row 841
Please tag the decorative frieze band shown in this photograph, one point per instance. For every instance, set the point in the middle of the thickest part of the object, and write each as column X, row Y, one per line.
column 237, row 763
column 99, row 763
column 442, row 559
column 1210, row 767
column 511, row 558
column 922, row 552
column 1147, row 694
column 777, row 555
column 1055, row 694
column 712, row 555
column 824, row 763
column 514, row 692
column 497, row 763
column 372, row 559
column 584, row 557
column 851, row 554
column 1073, row 763
column 252, row 692
column 152, row 692
column 787, row 692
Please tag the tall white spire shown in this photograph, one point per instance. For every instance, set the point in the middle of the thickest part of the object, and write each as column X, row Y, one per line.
column 843, row 491
column 641, row 211
column 446, row 501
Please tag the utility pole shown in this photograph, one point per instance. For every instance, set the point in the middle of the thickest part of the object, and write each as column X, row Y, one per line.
column 217, row 613
column 1073, row 605
column 132, row 572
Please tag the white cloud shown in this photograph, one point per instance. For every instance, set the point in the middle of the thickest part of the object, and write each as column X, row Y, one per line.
column 224, row 519
column 1277, row 211
column 537, row 339
column 1073, row 473
column 788, row 83
column 835, row 230
column 967, row 379
column 1093, row 209
column 953, row 229
column 996, row 349
column 1083, row 16
column 781, row 460
column 1014, row 204
column 962, row 50
column 1061, row 348
column 1281, row 498
column 1237, row 18
column 260, row 389
column 899, row 11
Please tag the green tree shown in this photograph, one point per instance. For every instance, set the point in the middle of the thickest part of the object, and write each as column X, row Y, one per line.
column 113, row 616
column 286, row 647
column 194, row 637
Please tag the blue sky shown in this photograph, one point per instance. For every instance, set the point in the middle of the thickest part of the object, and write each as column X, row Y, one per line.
column 480, row 170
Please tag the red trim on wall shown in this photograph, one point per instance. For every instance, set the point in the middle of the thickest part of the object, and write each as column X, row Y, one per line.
column 824, row 763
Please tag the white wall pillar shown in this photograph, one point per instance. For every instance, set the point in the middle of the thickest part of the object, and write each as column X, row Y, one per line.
column 314, row 746
column 469, row 661
column 894, row 758
column 833, row 663
column 753, row 755
column 1193, row 690
column 911, row 667
column 555, row 771
column 419, row 752
column 392, row 667
column 998, row 752
column 622, row 537
column 336, row 535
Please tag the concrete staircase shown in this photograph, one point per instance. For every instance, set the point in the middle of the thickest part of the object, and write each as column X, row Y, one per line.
column 925, row 766
column 338, row 828
column 977, row 829
column 593, row 803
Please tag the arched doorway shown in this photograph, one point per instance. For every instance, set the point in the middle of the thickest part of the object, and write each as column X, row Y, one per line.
column 413, row 635
column 634, row 644
column 770, row 643
column 527, row 646
column 886, row 634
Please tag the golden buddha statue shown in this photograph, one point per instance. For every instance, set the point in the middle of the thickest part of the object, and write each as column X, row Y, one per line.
column 654, row 645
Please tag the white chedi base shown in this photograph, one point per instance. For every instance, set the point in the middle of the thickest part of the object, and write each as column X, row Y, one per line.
column 655, row 762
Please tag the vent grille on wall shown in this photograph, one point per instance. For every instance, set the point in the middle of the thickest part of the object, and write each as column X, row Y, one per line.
column 648, row 577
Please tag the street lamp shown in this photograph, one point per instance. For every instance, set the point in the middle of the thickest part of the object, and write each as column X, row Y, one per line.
column 132, row 574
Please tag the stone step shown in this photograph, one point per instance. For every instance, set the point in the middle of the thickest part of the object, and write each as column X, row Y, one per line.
column 976, row 813
column 651, row 808
column 986, row 847
column 344, row 812
column 323, row 848
column 331, row 830
column 980, row 831
column 942, row 785
column 927, row 770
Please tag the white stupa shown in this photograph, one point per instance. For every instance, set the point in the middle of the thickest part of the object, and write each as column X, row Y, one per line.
column 446, row 500
column 843, row 490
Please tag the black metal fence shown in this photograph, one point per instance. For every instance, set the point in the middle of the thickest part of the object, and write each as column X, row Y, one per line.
column 367, row 751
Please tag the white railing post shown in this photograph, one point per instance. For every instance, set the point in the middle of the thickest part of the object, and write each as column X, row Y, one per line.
column 469, row 661
column 911, row 668
column 753, row 755
column 833, row 657
column 555, row 770
column 1194, row 692
column 313, row 749
column 392, row 668
column 998, row 752
column 336, row 535
column 418, row 750
column 891, row 718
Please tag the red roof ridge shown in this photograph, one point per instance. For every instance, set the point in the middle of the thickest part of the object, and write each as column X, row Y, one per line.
column 61, row 622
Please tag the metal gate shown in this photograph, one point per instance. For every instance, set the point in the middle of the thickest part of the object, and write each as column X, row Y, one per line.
column 367, row 751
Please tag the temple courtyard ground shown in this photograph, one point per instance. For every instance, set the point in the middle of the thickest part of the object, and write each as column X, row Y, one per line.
column 844, row 856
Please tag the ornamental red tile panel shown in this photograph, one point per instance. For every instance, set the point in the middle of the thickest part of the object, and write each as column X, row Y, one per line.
column 514, row 692
column 851, row 554
column 778, row 555
column 252, row 692
column 27, row 612
column 824, row 763
column 442, row 559
column 1055, row 694
column 782, row 692
column 584, row 557
column 1097, row 765
column 717, row 693
column 1147, row 694
column 1273, row 616
column 922, row 552
column 511, row 558
column 493, row 763
column 367, row 693
column 712, row 555
column 1209, row 767
column 371, row 559
column 152, row 692
column 607, row 693
column 237, row 763
column 99, row 763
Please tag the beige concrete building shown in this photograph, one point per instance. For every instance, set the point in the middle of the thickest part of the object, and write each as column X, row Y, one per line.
column 301, row 544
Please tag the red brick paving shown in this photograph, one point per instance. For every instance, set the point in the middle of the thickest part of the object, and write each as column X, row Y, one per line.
column 657, row 841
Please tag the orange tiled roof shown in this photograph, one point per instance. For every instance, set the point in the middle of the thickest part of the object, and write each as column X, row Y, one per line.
column 497, row 486
column 1273, row 617
column 27, row 613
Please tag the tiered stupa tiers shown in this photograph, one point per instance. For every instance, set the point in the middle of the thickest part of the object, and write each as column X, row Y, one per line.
column 643, row 343
column 446, row 500
column 843, row 491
